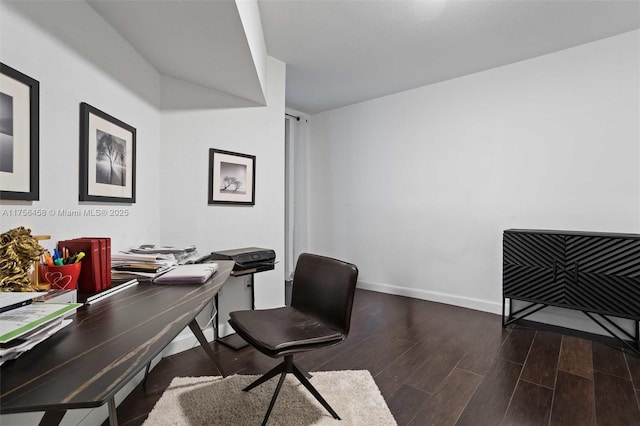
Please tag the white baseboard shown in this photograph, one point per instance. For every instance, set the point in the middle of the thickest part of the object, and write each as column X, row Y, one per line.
column 551, row 315
column 434, row 296
column 225, row 330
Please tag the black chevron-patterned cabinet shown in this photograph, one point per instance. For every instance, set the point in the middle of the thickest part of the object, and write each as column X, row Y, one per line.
column 597, row 273
column 534, row 267
column 604, row 274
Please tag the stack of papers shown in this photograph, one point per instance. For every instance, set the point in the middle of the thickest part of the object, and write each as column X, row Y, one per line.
column 181, row 255
column 140, row 265
column 23, row 328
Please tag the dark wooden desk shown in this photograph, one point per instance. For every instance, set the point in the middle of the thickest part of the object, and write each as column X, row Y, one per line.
column 87, row 363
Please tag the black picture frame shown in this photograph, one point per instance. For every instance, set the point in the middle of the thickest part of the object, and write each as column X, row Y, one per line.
column 107, row 157
column 19, row 135
column 232, row 178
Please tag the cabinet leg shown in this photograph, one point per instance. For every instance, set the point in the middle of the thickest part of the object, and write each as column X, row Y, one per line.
column 503, row 306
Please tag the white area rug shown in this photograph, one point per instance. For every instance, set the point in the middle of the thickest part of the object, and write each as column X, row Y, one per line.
column 220, row 401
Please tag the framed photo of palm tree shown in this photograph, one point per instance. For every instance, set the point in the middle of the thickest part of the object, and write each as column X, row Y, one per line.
column 232, row 178
column 107, row 157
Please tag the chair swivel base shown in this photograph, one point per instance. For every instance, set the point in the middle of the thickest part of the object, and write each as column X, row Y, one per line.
column 285, row 367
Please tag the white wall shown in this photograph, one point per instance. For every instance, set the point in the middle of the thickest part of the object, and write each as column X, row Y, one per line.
column 186, row 218
column 417, row 187
column 77, row 57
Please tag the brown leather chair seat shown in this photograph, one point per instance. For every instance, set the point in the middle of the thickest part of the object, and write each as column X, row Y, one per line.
column 279, row 331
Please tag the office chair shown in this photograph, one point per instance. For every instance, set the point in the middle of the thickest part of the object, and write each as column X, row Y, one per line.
column 319, row 316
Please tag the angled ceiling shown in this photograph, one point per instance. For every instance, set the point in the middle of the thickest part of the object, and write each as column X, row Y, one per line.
column 200, row 42
column 339, row 52
column 342, row 52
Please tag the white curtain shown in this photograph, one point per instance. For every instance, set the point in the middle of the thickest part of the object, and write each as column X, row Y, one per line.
column 297, row 137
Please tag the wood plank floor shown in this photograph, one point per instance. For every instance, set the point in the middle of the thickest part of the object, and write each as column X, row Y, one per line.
column 437, row 364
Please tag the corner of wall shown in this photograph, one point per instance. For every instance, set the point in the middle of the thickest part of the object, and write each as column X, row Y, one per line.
column 252, row 24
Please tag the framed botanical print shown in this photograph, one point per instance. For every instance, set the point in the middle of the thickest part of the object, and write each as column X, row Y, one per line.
column 107, row 157
column 232, row 178
column 19, row 135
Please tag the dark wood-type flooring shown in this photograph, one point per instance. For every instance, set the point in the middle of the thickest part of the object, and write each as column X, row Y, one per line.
column 438, row 364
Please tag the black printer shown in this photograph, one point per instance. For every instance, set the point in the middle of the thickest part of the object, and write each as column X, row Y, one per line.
column 260, row 259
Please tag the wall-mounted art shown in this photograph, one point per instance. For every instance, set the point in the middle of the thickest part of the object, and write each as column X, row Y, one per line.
column 232, row 178
column 19, row 135
column 107, row 157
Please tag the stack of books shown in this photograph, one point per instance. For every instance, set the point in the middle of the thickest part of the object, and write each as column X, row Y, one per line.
column 95, row 275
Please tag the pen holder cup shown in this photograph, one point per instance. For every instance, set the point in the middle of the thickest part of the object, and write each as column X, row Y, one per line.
column 64, row 277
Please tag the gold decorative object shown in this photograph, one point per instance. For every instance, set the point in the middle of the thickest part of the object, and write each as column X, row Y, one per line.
column 18, row 250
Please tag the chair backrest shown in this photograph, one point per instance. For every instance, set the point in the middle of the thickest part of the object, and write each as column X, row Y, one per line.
column 324, row 288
